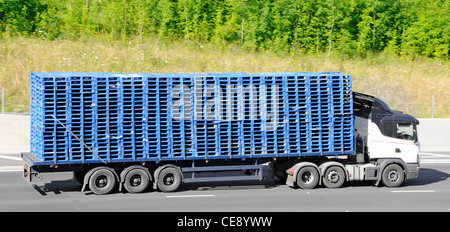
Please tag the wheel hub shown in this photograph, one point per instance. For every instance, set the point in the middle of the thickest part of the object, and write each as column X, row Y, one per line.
column 135, row 180
column 169, row 179
column 393, row 176
column 333, row 177
column 101, row 181
column 307, row 177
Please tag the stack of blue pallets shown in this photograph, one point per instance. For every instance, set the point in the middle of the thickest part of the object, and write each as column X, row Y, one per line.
column 112, row 117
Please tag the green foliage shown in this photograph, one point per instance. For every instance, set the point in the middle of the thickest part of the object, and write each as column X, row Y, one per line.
column 344, row 28
column 18, row 17
column 429, row 34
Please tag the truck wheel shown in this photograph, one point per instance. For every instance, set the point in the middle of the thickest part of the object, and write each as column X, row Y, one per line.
column 307, row 177
column 393, row 176
column 169, row 179
column 136, row 181
column 102, row 181
column 334, row 177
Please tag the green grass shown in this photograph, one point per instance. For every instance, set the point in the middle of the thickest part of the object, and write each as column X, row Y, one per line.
column 403, row 83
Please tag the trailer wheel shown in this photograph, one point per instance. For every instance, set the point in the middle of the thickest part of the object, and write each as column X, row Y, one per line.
column 169, row 179
column 307, row 177
column 136, row 181
column 393, row 175
column 334, row 177
column 102, row 181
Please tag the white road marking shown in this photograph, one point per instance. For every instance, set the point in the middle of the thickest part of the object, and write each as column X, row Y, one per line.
column 435, row 161
column 11, row 169
column 433, row 154
column 432, row 158
column 413, row 191
column 10, row 157
column 179, row 196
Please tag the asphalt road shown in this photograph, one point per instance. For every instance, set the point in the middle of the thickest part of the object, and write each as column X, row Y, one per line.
column 56, row 192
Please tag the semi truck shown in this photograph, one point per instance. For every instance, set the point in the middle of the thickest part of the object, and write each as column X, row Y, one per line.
column 159, row 130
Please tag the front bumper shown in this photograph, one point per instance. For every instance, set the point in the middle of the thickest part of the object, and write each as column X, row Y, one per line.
column 412, row 170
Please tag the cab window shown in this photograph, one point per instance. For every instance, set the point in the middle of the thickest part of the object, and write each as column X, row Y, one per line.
column 406, row 131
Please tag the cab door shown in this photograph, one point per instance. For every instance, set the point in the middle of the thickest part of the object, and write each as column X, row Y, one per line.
column 380, row 145
column 395, row 140
column 407, row 147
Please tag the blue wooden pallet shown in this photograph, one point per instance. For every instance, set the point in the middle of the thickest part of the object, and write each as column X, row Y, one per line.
column 121, row 117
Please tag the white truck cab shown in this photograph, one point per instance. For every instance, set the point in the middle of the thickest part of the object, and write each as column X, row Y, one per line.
column 386, row 137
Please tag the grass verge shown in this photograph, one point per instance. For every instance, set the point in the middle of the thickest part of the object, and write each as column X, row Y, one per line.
column 403, row 83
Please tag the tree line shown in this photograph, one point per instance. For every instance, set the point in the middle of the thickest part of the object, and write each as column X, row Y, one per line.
column 346, row 28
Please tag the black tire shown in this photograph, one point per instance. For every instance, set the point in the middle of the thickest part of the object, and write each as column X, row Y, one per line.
column 393, row 176
column 334, row 177
column 169, row 179
column 102, row 181
column 307, row 177
column 136, row 181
